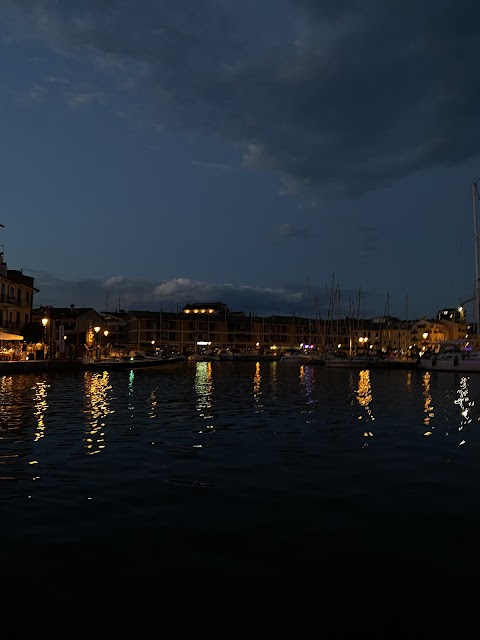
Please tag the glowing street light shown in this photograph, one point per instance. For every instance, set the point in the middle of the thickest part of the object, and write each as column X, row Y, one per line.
column 44, row 322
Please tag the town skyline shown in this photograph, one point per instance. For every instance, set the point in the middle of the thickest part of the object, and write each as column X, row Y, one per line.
column 243, row 152
column 329, row 308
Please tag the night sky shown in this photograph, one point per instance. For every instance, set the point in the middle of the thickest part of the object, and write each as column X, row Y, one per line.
column 261, row 154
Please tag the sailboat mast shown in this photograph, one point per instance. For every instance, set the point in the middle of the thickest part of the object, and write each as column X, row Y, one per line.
column 475, row 240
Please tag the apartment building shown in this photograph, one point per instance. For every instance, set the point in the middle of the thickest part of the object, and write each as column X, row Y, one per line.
column 16, row 299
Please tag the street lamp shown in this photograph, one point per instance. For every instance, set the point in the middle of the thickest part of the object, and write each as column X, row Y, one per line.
column 425, row 336
column 96, row 329
column 44, row 322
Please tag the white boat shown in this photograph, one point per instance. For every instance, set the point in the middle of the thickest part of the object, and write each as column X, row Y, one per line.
column 135, row 361
column 463, row 363
column 454, row 355
column 460, row 355
column 297, row 357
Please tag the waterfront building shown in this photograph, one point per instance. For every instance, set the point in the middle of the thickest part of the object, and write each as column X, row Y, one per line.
column 16, row 299
column 68, row 331
column 429, row 333
column 213, row 326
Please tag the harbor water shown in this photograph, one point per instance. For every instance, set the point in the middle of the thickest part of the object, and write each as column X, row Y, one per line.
column 238, row 473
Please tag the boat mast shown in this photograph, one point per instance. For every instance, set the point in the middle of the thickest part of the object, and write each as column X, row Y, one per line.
column 475, row 240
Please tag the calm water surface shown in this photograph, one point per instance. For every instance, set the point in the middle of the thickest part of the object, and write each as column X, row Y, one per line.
column 241, row 473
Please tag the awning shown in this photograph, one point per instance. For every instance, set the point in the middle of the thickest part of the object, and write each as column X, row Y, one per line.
column 10, row 336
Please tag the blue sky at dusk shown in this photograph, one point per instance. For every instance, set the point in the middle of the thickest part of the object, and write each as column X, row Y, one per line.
column 159, row 153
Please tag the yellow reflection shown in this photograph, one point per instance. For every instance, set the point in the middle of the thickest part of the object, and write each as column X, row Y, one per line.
column 302, row 373
column 97, row 401
column 257, row 379
column 409, row 378
column 465, row 404
column 13, row 414
column 204, row 389
column 40, row 407
column 427, row 402
column 364, row 396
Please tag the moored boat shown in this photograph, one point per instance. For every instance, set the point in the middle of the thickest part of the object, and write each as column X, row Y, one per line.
column 461, row 355
column 135, row 361
column 453, row 355
column 297, row 357
column 344, row 359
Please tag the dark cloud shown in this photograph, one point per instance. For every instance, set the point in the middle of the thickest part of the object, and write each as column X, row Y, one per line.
column 368, row 240
column 121, row 292
column 289, row 231
column 340, row 97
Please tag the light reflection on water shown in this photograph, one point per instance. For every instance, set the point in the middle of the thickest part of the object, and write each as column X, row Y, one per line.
column 257, row 391
column 427, row 407
column 305, row 396
column 364, row 396
column 203, row 393
column 41, row 406
column 194, row 461
column 465, row 404
column 98, row 396
column 456, row 405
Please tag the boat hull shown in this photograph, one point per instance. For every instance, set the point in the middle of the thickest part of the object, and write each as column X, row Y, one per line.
column 134, row 363
column 452, row 363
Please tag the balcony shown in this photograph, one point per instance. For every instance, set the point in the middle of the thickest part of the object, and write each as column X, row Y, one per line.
column 5, row 299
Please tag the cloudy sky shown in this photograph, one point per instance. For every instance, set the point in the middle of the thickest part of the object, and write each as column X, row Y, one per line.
column 261, row 154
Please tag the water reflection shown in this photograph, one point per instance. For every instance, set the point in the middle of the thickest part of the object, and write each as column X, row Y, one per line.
column 9, row 419
column 153, row 402
column 307, row 380
column 40, row 407
column 409, row 379
column 465, row 404
column 204, row 391
column 257, row 394
column 274, row 378
column 428, row 410
column 12, row 408
column 131, row 389
column 97, row 390
column 364, row 398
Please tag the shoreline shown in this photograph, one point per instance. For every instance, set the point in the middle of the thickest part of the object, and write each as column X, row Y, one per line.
column 40, row 366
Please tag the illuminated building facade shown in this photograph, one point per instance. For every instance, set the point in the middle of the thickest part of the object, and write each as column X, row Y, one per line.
column 16, row 299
